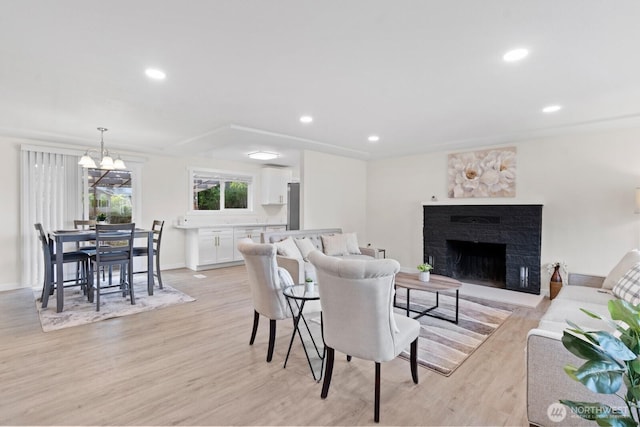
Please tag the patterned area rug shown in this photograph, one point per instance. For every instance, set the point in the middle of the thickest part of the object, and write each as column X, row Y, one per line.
column 78, row 311
column 443, row 346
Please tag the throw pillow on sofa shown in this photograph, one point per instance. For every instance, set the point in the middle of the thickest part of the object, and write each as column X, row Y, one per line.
column 288, row 248
column 334, row 245
column 352, row 243
column 629, row 260
column 628, row 287
column 305, row 246
column 340, row 244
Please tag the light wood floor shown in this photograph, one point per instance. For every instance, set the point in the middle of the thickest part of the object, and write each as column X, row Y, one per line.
column 192, row 365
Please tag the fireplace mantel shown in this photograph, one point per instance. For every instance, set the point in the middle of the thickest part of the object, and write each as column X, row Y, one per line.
column 517, row 226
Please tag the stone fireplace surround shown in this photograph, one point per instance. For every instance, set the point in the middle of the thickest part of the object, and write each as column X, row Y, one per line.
column 518, row 227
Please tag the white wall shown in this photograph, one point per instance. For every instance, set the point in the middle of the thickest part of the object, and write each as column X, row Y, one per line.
column 334, row 191
column 586, row 183
column 10, row 258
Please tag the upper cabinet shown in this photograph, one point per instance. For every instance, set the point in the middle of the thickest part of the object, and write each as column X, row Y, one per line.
column 274, row 185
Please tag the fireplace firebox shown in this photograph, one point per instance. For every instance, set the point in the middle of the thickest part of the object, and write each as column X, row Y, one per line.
column 493, row 245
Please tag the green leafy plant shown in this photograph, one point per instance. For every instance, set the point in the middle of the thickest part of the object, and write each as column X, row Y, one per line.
column 101, row 217
column 425, row 267
column 610, row 361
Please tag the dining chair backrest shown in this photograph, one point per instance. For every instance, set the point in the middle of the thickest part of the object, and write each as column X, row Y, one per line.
column 157, row 228
column 115, row 243
column 356, row 298
column 264, row 281
column 46, row 246
column 84, row 224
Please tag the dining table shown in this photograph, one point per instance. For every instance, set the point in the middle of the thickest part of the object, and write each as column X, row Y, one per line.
column 60, row 237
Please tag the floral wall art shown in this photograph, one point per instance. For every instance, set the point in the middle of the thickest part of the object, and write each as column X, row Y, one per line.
column 486, row 173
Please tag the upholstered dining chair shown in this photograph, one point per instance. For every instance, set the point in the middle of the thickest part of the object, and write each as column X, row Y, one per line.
column 114, row 246
column 266, row 287
column 67, row 257
column 157, row 228
column 357, row 315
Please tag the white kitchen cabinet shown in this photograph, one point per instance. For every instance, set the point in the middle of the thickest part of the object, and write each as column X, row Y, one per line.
column 239, row 233
column 274, row 185
column 214, row 246
column 209, row 247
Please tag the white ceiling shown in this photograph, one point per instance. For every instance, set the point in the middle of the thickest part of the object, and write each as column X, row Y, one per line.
column 424, row 75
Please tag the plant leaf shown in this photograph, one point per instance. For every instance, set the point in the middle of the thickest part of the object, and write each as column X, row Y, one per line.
column 583, row 349
column 613, row 346
column 592, row 314
column 622, row 310
column 616, row 421
column 571, row 371
column 601, row 376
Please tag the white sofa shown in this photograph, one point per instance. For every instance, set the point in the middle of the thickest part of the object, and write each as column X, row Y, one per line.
column 546, row 356
column 298, row 265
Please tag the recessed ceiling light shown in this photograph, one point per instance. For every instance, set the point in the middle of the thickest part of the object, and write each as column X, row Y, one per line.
column 373, row 138
column 263, row 155
column 515, row 55
column 552, row 108
column 306, row 119
column 154, row 73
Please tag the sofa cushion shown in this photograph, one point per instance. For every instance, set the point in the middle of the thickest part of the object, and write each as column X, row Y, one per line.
column 585, row 294
column 628, row 287
column 629, row 260
column 288, row 248
column 352, row 243
column 305, row 246
column 334, row 245
column 555, row 318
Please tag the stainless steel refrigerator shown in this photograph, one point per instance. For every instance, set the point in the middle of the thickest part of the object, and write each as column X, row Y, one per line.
column 293, row 206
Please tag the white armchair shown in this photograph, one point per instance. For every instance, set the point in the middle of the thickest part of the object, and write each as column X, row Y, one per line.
column 266, row 287
column 357, row 314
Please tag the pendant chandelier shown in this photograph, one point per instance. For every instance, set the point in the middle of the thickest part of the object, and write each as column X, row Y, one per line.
column 106, row 161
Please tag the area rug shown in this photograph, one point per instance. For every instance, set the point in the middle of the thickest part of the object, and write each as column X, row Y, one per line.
column 78, row 311
column 443, row 346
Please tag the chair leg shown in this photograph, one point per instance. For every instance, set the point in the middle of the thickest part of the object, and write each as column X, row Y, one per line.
column 272, row 339
column 90, row 283
column 328, row 372
column 256, row 320
column 414, row 361
column 158, row 271
column 376, row 407
column 130, row 278
column 98, row 294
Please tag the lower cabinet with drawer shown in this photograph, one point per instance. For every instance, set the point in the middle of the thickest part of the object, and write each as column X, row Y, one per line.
column 212, row 247
column 209, row 246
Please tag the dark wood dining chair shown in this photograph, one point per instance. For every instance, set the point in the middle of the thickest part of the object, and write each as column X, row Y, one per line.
column 49, row 285
column 114, row 246
column 157, row 228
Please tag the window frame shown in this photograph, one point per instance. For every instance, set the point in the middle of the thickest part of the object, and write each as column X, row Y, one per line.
column 223, row 176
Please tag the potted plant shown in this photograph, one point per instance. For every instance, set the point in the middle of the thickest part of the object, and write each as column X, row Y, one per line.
column 101, row 218
column 610, row 361
column 425, row 272
column 309, row 284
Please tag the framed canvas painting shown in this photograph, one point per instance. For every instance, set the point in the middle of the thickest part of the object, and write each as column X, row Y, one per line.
column 485, row 173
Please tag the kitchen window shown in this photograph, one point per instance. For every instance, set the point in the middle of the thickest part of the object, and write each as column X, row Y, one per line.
column 217, row 191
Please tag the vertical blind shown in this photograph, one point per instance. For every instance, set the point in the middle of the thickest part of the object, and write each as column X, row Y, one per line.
column 50, row 193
